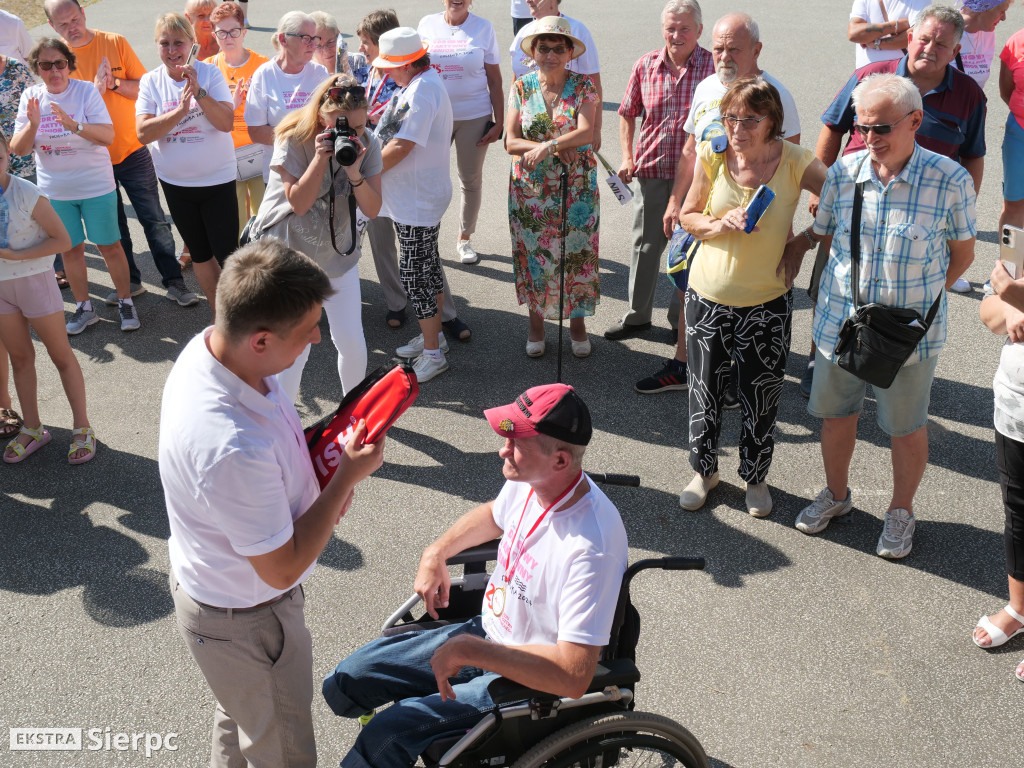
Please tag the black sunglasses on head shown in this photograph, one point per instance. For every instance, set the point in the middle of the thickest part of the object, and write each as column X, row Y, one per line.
column 338, row 91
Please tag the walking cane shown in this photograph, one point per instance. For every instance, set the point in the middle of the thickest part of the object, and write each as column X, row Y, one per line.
column 564, row 178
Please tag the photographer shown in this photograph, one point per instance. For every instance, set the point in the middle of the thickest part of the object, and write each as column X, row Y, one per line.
column 319, row 147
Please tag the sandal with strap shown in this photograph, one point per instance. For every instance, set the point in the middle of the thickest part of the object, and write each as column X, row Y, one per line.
column 995, row 634
column 1019, row 671
column 40, row 437
column 10, row 422
column 83, row 438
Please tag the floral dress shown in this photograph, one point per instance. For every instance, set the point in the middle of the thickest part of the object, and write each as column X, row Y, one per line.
column 535, row 205
column 15, row 77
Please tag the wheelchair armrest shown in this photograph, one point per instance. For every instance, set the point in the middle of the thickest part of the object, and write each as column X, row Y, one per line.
column 614, row 672
column 478, row 554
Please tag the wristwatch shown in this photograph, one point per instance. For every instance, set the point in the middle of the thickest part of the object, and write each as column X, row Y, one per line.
column 878, row 43
column 202, row 94
column 117, row 84
column 79, row 128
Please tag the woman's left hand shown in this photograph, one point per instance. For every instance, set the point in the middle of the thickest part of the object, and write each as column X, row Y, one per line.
column 65, row 119
column 7, row 254
column 352, row 171
column 535, row 157
column 491, row 136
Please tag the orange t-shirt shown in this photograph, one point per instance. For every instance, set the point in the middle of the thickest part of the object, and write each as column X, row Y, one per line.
column 126, row 66
column 239, row 132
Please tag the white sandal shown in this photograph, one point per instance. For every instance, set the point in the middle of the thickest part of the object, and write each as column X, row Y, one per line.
column 995, row 634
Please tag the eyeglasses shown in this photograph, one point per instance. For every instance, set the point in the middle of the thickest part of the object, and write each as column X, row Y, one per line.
column 328, row 45
column 335, row 93
column 306, row 39
column 558, row 50
column 750, row 123
column 46, row 66
column 224, row 34
column 882, row 128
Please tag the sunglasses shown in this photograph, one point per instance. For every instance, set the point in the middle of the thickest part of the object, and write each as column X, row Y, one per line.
column 224, row 34
column 46, row 66
column 338, row 91
column 750, row 123
column 881, row 129
column 558, row 50
column 306, row 39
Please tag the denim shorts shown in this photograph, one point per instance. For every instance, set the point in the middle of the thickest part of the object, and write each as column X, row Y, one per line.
column 902, row 408
column 99, row 215
column 1013, row 160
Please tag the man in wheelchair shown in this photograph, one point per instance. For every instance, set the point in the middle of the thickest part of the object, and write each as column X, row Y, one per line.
column 547, row 610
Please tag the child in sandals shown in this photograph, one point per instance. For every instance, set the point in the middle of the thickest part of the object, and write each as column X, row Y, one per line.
column 30, row 233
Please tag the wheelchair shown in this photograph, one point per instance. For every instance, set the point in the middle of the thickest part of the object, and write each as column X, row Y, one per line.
column 529, row 728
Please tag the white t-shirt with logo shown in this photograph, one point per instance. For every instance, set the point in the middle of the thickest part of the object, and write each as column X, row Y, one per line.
column 869, row 11
column 586, row 64
column 68, row 167
column 565, row 581
column 459, row 54
column 273, row 93
column 18, row 202
column 976, row 52
column 707, row 97
column 193, row 153
column 418, row 189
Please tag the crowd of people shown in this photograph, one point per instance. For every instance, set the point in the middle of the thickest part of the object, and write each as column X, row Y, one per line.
column 301, row 154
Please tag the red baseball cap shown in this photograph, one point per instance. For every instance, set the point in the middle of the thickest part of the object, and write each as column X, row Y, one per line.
column 554, row 410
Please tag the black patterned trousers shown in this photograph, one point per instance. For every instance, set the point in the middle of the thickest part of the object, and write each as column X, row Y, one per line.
column 755, row 338
column 419, row 267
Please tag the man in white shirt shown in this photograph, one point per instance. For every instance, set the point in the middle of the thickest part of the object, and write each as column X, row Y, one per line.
column 878, row 28
column 15, row 40
column 247, row 517
column 547, row 610
column 978, row 45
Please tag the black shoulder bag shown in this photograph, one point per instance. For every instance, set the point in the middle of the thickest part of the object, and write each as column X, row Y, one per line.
column 875, row 343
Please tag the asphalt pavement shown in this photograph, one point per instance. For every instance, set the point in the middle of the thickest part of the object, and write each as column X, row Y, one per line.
column 788, row 650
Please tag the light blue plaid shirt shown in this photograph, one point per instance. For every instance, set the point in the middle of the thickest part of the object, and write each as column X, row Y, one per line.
column 903, row 251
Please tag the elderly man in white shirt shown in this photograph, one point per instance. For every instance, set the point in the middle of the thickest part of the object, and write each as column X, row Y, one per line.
column 15, row 40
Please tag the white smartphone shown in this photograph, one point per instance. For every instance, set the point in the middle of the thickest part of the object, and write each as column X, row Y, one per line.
column 192, row 55
column 1011, row 250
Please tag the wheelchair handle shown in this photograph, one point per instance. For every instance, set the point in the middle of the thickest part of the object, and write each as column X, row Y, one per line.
column 630, row 481
column 665, row 564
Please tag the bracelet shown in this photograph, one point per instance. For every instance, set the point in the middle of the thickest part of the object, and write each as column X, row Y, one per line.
column 353, row 184
column 812, row 241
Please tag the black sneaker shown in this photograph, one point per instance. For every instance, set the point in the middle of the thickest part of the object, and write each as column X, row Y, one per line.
column 671, row 376
column 807, row 381
column 731, row 398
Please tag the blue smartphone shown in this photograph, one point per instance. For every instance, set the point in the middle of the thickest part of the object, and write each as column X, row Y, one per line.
column 757, row 206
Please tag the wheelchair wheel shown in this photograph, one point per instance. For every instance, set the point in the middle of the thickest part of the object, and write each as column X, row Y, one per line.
column 623, row 739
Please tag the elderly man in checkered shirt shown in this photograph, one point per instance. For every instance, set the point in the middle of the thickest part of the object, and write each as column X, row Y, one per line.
column 917, row 237
column 659, row 92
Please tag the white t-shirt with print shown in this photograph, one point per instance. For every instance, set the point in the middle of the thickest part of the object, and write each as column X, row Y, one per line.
column 273, row 93
column 68, row 167
column 707, row 97
column 870, row 11
column 976, row 52
column 193, row 153
column 418, row 189
column 565, row 583
column 586, row 64
column 460, row 55
column 23, row 231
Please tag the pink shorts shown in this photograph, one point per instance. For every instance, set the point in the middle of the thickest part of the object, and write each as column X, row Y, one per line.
column 33, row 296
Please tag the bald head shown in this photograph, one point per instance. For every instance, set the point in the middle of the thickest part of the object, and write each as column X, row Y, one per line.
column 735, row 45
column 68, row 20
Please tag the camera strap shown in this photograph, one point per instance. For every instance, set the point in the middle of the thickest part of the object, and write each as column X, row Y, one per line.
column 351, row 215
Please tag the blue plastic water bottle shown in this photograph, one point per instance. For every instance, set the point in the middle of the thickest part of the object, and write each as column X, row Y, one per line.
column 5, row 218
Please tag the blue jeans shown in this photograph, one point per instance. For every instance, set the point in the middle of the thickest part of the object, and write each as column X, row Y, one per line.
column 397, row 669
column 136, row 175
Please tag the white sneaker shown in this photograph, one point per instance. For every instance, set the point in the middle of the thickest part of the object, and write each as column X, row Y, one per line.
column 696, row 493
column 960, row 286
column 427, row 367
column 466, row 253
column 759, row 499
column 897, row 537
column 415, row 347
column 815, row 517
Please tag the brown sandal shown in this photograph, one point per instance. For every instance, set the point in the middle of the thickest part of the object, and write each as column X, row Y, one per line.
column 10, row 423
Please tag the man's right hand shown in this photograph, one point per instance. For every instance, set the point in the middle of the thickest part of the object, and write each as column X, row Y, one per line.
column 433, row 582
column 671, row 217
column 627, row 169
column 812, row 204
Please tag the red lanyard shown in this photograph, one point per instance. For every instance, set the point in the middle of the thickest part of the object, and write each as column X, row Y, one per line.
column 515, row 536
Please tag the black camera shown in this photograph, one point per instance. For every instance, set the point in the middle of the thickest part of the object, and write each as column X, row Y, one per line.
column 345, row 149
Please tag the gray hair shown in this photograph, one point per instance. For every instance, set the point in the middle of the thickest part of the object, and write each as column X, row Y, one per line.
column 943, row 14
column 679, row 7
column 748, row 23
column 324, row 20
column 290, row 24
column 898, row 91
column 549, row 445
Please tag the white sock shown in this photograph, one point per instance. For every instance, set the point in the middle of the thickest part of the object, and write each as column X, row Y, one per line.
column 86, row 305
column 440, row 337
column 434, row 354
column 127, row 301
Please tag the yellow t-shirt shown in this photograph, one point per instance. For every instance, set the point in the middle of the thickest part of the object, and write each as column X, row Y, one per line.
column 126, row 66
column 738, row 269
column 239, row 133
